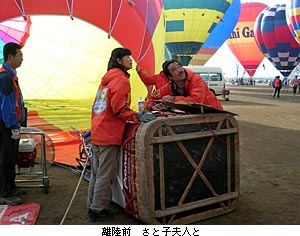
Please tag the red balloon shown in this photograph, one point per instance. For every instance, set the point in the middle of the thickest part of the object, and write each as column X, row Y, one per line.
column 242, row 42
column 122, row 20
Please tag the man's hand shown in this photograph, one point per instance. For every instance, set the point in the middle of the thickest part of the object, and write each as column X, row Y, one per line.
column 15, row 134
column 156, row 107
column 168, row 98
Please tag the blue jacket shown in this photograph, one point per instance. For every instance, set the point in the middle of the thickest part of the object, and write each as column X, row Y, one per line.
column 8, row 113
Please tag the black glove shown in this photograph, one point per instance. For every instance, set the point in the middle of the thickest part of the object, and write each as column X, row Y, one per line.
column 145, row 117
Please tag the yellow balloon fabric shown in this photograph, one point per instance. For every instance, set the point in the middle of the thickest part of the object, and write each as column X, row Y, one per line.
column 189, row 23
column 64, row 61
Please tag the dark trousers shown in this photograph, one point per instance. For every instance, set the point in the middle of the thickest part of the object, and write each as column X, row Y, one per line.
column 294, row 89
column 276, row 91
column 8, row 155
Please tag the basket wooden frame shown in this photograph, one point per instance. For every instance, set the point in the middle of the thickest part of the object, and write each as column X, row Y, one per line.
column 149, row 134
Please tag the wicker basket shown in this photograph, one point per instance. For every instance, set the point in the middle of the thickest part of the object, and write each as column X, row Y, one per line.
column 184, row 168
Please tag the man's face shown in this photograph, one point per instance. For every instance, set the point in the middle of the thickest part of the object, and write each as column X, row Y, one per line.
column 176, row 71
column 16, row 61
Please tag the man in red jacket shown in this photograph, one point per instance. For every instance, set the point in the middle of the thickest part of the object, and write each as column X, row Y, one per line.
column 110, row 112
column 184, row 85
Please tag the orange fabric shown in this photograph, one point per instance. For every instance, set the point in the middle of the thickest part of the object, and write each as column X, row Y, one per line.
column 111, row 109
column 66, row 144
column 17, row 92
column 197, row 92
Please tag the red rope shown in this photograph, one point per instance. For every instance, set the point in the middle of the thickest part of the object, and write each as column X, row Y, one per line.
column 212, row 131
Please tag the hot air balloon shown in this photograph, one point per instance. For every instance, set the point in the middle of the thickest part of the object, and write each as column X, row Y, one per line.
column 66, row 57
column 241, row 41
column 293, row 19
column 121, row 19
column 14, row 30
column 219, row 35
column 189, row 23
column 275, row 40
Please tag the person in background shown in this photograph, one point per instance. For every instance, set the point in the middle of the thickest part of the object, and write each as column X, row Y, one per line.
column 153, row 82
column 277, row 84
column 12, row 113
column 295, row 84
column 110, row 112
column 285, row 84
column 184, row 85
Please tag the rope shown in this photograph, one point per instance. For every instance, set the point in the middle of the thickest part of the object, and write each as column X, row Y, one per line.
column 21, row 8
column 70, row 9
column 213, row 132
column 73, row 197
column 89, row 155
column 112, row 24
column 140, row 58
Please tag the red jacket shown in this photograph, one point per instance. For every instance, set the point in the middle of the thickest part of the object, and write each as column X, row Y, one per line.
column 277, row 83
column 111, row 109
column 158, row 80
column 196, row 89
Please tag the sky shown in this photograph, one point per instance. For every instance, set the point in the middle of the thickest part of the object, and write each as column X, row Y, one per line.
column 225, row 59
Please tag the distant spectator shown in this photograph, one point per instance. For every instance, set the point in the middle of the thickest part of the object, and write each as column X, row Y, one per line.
column 277, row 84
column 285, row 84
column 295, row 84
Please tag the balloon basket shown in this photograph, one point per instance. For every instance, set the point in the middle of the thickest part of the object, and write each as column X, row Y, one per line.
column 179, row 169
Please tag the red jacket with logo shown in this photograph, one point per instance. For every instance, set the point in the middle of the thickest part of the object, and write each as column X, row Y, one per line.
column 111, row 109
column 196, row 89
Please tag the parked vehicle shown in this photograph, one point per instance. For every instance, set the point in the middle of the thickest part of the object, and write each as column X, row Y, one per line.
column 213, row 76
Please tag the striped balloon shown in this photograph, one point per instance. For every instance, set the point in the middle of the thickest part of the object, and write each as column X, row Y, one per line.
column 189, row 23
column 219, row 35
column 293, row 18
column 275, row 40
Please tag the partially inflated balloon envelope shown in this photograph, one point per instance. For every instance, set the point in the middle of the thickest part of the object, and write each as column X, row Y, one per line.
column 189, row 23
column 131, row 23
column 293, row 18
column 241, row 41
column 66, row 56
column 275, row 39
column 219, row 35
column 14, row 30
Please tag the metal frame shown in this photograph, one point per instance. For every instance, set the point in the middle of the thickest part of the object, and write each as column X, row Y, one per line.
column 44, row 181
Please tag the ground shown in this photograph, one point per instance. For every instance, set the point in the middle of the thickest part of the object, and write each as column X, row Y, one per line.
column 269, row 131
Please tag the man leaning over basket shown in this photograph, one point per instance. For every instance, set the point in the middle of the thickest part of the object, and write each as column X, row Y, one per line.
column 184, row 85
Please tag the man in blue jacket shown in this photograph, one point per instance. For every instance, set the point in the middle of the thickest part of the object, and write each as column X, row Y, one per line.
column 12, row 113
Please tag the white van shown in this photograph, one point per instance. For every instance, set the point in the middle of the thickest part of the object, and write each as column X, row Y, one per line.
column 213, row 76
